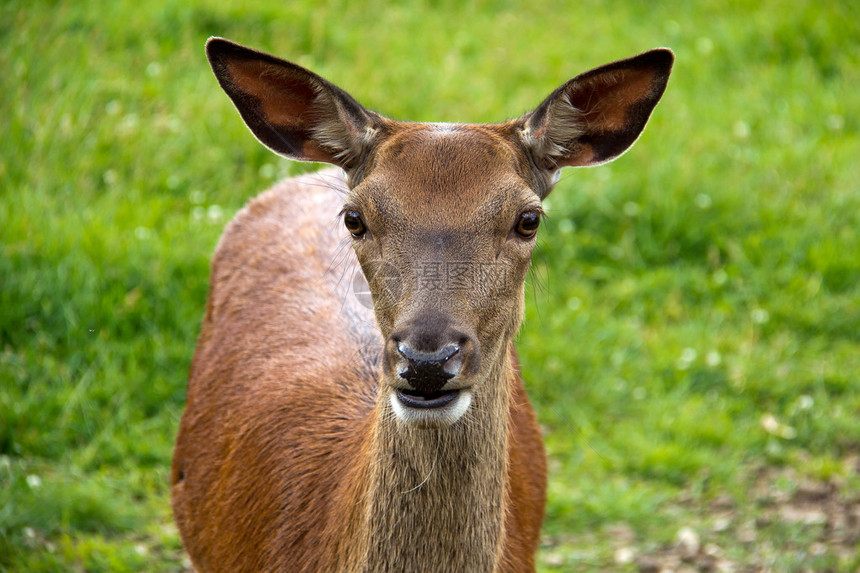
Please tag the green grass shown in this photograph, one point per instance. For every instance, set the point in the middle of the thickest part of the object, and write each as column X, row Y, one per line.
column 682, row 296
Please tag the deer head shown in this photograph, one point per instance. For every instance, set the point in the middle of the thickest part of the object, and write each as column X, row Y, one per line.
column 442, row 217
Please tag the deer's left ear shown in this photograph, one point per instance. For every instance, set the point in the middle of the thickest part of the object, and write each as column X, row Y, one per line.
column 598, row 115
column 291, row 110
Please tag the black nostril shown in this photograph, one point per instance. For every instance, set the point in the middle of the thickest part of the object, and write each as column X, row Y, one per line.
column 442, row 355
column 426, row 371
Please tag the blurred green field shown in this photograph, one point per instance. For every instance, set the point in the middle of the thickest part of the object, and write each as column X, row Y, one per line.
column 693, row 324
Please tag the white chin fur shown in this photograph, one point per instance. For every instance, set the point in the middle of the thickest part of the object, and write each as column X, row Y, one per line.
column 432, row 417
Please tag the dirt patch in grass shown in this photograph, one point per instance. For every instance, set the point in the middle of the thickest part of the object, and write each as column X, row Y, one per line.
column 788, row 524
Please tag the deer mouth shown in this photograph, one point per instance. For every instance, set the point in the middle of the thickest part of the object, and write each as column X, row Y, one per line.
column 426, row 400
column 436, row 409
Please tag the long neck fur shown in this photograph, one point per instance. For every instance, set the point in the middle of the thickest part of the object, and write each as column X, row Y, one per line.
column 433, row 500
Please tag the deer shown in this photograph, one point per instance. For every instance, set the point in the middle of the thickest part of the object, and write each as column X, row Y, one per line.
column 329, row 432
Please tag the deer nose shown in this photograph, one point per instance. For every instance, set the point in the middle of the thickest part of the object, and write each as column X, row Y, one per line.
column 429, row 371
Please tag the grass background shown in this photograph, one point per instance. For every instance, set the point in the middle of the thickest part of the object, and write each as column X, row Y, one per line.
column 695, row 318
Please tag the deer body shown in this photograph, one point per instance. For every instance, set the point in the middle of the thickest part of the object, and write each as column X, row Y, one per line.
column 321, row 435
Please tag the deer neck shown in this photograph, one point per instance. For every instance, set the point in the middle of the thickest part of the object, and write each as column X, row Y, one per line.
column 434, row 498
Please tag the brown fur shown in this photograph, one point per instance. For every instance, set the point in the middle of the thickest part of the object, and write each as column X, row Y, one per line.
column 289, row 455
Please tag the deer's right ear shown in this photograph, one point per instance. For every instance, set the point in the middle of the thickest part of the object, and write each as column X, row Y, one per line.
column 598, row 115
column 291, row 110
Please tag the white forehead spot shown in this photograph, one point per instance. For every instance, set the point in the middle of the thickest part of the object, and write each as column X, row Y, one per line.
column 443, row 128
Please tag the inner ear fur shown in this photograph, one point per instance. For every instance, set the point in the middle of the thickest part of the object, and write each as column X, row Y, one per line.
column 291, row 110
column 598, row 115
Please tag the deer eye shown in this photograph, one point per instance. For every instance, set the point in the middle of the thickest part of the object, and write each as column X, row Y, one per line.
column 528, row 224
column 353, row 223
